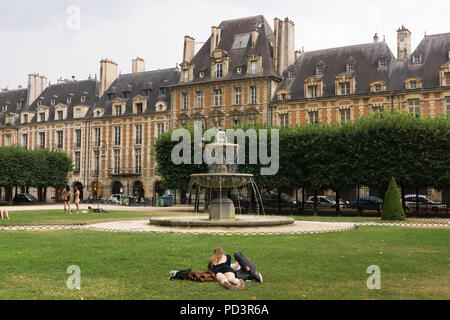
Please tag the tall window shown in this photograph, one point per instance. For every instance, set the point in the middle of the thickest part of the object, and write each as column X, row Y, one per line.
column 160, row 129
column 284, row 120
column 97, row 137
column 185, row 100
column 8, row 140
column 117, row 136
column 313, row 116
column 377, row 87
column 138, row 108
column 41, row 140
column 42, row 116
column 25, row 140
column 254, row 67
column 138, row 134
column 77, row 165
column 118, row 111
column 78, row 138
column 138, row 161
column 253, row 94
column 217, row 98
column 447, row 103
column 60, row 115
column 345, row 115
column 414, row 106
column 413, row 84
column 59, row 139
column 25, row 118
column 219, row 70
column 186, row 75
column 237, row 96
column 116, row 161
column 199, row 99
column 344, row 88
column 313, row 91
column 96, row 163
column 77, row 113
column 378, row 109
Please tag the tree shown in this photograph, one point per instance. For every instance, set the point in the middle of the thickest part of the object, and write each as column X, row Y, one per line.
column 392, row 209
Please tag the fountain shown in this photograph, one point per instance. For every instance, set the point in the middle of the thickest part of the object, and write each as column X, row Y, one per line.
column 220, row 181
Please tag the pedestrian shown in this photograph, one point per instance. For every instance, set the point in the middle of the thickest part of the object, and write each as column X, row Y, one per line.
column 77, row 199
column 3, row 213
column 220, row 264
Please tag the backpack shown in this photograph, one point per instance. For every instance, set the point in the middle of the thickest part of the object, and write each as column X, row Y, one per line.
column 181, row 275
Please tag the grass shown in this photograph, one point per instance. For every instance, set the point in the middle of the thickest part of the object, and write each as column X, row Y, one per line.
column 58, row 217
column 414, row 264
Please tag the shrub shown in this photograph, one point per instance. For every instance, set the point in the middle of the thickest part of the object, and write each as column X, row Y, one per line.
column 392, row 209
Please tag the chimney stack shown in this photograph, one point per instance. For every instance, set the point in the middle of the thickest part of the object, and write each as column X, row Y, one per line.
column 108, row 74
column 215, row 38
column 403, row 43
column 189, row 49
column 375, row 37
column 138, row 65
column 284, row 47
column 36, row 85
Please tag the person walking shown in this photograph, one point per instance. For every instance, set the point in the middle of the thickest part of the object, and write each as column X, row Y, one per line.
column 77, row 199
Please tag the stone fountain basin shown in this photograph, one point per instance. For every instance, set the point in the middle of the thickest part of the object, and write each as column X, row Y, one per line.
column 241, row 221
column 221, row 180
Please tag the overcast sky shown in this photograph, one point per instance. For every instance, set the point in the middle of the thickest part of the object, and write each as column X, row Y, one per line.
column 49, row 37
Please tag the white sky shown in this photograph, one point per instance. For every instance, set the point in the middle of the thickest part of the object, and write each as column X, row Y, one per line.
column 35, row 36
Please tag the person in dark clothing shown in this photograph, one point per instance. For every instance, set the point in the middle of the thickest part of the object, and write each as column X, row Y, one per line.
column 220, row 264
column 246, row 269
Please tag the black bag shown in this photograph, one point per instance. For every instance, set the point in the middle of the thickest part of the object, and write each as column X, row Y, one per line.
column 181, row 275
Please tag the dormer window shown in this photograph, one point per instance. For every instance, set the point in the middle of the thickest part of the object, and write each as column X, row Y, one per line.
column 125, row 94
column 83, row 98
column 78, row 113
column 313, row 91
column 447, row 78
column 417, row 59
column 4, row 107
column 19, row 104
column 283, row 97
column 377, row 87
column 186, row 75
column 291, row 73
column 201, row 75
column 382, row 62
column 42, row 117
column 25, row 118
column 139, row 108
column 118, row 110
column 110, row 96
column 350, row 67
column 146, row 92
column 344, row 88
column 52, row 102
column 39, row 103
column 254, row 67
column 239, row 70
column 162, row 91
column 413, row 83
column 319, row 70
column 60, row 115
column 219, row 70
column 69, row 100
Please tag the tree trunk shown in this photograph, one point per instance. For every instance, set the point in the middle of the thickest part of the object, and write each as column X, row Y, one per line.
column 403, row 198
column 279, row 201
column 315, row 204
column 338, row 203
column 303, row 200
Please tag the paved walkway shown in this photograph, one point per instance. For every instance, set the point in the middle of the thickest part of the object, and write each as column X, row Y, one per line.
column 108, row 207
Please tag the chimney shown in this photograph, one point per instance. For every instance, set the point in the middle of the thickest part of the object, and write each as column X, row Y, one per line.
column 108, row 74
column 138, row 65
column 36, row 85
column 284, row 47
column 215, row 38
column 189, row 49
column 255, row 35
column 403, row 43
column 375, row 37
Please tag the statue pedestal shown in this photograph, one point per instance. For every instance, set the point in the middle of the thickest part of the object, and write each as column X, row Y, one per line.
column 222, row 208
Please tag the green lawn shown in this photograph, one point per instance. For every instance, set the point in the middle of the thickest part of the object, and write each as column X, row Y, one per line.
column 414, row 264
column 58, row 217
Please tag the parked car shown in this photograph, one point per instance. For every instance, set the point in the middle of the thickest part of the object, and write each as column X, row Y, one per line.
column 368, row 203
column 270, row 200
column 323, row 202
column 241, row 201
column 24, row 198
column 424, row 203
column 344, row 204
column 115, row 198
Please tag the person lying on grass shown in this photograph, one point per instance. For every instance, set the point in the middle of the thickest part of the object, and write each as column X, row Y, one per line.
column 220, row 264
column 3, row 213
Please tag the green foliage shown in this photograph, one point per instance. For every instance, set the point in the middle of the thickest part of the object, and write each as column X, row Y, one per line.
column 33, row 168
column 366, row 152
column 392, row 208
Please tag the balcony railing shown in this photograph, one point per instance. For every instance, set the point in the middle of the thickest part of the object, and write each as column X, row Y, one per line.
column 124, row 172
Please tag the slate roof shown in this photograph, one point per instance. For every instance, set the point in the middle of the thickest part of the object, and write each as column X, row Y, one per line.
column 10, row 100
column 61, row 91
column 238, row 57
column 135, row 83
column 434, row 49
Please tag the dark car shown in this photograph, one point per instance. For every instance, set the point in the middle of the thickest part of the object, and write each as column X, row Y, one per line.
column 368, row 203
column 240, row 201
column 24, row 198
column 424, row 203
column 271, row 200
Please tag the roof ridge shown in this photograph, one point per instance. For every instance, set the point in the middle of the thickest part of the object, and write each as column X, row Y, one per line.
column 149, row 71
column 349, row 46
column 241, row 19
